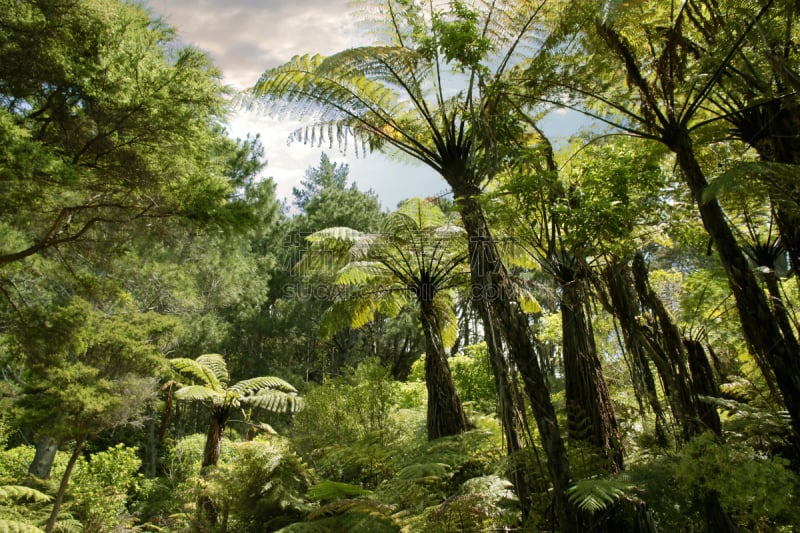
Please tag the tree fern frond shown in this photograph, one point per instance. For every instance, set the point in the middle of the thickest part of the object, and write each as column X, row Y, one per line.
column 255, row 385
column 352, row 507
column 15, row 526
column 216, row 363
column 335, row 235
column 20, row 492
column 200, row 393
column 361, row 273
column 197, row 370
column 334, row 490
column 424, row 471
column 275, row 401
column 68, row 525
column 594, row 495
column 424, row 213
column 752, row 176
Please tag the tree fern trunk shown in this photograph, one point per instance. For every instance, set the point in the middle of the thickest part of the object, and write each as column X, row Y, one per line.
column 590, row 414
column 759, row 324
column 622, row 303
column 491, row 286
column 216, row 431
column 445, row 412
column 510, row 411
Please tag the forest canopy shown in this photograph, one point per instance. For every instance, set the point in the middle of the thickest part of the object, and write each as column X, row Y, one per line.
column 599, row 334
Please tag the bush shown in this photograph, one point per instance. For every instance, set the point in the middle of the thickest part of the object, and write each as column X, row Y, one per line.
column 262, row 487
column 101, row 487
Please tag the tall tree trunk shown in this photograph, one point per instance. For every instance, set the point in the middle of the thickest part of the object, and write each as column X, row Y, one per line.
column 664, row 343
column 445, row 412
column 510, row 411
column 62, row 487
column 623, row 304
column 42, row 464
column 492, row 286
column 759, row 323
column 590, row 414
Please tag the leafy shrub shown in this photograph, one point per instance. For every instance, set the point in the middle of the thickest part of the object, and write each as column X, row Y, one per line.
column 348, row 425
column 261, row 488
column 101, row 487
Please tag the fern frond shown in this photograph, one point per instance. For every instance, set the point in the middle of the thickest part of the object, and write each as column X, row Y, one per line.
column 334, row 490
column 19, row 492
column 752, row 176
column 424, row 471
column 14, row 526
column 200, row 393
column 196, row 370
column 362, row 273
column 335, row 237
column 423, row 213
column 594, row 495
column 255, row 385
column 275, row 401
column 749, row 420
column 216, row 363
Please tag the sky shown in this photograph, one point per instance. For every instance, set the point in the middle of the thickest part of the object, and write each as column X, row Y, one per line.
column 246, row 37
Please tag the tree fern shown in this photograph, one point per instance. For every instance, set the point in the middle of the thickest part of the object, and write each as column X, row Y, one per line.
column 594, row 495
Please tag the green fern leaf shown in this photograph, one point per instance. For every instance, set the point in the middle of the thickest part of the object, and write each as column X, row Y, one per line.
column 197, row 370
column 200, row 393
column 594, row 495
column 19, row 492
column 424, row 471
column 275, row 401
column 334, row 490
column 254, row 385
column 14, row 526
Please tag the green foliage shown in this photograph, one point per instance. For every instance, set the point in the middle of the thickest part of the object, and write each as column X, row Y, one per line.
column 481, row 504
column 268, row 392
column 595, row 495
column 102, row 486
column 261, row 487
column 348, row 515
column 348, row 423
column 333, row 490
column 116, row 123
column 474, row 378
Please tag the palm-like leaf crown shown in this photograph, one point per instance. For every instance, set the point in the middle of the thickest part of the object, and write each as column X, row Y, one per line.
column 210, row 373
column 420, row 251
column 423, row 91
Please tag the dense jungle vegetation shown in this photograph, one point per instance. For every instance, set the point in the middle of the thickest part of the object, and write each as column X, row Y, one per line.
column 599, row 335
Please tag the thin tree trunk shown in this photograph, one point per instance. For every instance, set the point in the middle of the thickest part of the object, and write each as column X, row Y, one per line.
column 491, row 285
column 42, row 464
column 510, row 411
column 622, row 303
column 445, row 412
column 590, row 414
column 62, row 487
column 665, row 346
